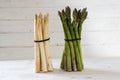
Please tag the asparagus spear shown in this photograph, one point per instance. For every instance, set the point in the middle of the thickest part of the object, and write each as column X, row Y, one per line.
column 69, row 62
column 68, row 54
column 71, row 28
column 72, row 32
column 65, row 60
column 70, row 44
column 46, row 43
column 77, row 36
column 37, row 46
column 81, row 16
column 62, row 61
column 43, row 55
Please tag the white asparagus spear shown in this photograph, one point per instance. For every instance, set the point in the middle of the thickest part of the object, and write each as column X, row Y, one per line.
column 43, row 56
column 37, row 46
column 46, row 43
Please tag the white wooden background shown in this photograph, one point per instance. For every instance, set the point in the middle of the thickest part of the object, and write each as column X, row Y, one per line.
column 100, row 36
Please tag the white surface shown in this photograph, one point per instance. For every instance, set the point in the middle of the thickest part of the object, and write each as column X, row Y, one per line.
column 100, row 31
column 95, row 69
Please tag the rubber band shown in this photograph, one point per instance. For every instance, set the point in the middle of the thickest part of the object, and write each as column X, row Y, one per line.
column 42, row 40
column 72, row 39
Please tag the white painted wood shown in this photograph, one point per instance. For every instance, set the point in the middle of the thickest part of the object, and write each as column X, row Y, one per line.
column 100, row 36
column 32, row 3
column 26, row 26
column 101, row 51
column 26, row 39
column 57, row 38
column 105, row 24
column 16, row 26
column 95, row 69
column 16, row 13
column 56, row 3
column 13, row 13
column 14, row 52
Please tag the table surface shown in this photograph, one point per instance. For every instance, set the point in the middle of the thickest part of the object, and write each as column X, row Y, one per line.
column 95, row 69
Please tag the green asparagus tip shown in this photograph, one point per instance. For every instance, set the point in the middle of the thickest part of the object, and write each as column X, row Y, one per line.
column 84, row 10
column 75, row 14
column 79, row 15
column 63, row 12
column 86, row 14
column 59, row 12
column 68, row 11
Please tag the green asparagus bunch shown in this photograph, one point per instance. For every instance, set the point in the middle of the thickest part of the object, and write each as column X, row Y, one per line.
column 72, row 54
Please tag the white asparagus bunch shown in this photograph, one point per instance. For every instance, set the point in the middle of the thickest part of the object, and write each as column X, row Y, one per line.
column 42, row 46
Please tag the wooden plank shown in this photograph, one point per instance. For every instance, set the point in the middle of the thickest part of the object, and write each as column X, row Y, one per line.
column 101, row 38
column 27, row 26
column 13, row 53
column 101, row 51
column 88, row 38
column 26, row 39
column 16, row 22
column 28, row 13
column 31, row 3
column 26, row 52
column 16, row 53
column 105, row 24
column 55, row 3
column 20, row 39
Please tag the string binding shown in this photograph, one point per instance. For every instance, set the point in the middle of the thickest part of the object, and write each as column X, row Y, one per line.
column 42, row 40
column 72, row 39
